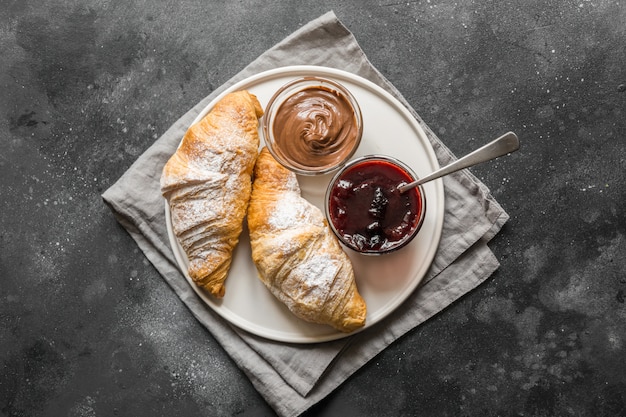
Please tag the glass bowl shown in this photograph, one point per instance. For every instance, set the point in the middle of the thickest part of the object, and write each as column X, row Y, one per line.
column 312, row 125
column 366, row 211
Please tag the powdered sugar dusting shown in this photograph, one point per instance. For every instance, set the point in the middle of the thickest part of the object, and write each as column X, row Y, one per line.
column 292, row 211
column 287, row 242
column 292, row 183
column 315, row 277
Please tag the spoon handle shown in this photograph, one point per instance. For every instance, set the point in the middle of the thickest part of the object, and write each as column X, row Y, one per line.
column 503, row 145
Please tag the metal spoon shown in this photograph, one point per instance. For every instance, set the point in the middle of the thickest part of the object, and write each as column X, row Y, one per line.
column 505, row 144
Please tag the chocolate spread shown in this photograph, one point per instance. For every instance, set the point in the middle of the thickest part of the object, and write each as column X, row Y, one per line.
column 315, row 128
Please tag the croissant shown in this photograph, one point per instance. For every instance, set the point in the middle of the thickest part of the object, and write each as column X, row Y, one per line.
column 295, row 253
column 207, row 183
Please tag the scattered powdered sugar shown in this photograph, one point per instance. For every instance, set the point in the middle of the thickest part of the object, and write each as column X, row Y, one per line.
column 286, row 243
column 191, row 214
column 293, row 211
column 315, row 277
column 292, row 183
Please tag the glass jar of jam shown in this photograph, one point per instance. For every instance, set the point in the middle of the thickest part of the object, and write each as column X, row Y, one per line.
column 312, row 125
column 367, row 212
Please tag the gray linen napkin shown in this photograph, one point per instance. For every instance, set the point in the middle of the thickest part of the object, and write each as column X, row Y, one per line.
column 293, row 377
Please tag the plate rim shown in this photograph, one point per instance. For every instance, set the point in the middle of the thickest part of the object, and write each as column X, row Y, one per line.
column 295, row 71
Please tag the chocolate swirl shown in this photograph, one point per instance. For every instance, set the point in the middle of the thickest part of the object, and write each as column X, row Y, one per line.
column 315, row 127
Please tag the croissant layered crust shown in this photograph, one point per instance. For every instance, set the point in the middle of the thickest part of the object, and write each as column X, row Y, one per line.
column 295, row 253
column 207, row 183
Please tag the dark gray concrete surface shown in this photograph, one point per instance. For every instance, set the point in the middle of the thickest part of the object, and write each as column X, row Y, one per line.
column 89, row 328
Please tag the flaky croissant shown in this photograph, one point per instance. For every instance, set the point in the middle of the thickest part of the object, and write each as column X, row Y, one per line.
column 207, row 183
column 295, row 253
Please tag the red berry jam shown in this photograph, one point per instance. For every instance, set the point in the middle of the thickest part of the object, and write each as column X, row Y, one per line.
column 368, row 212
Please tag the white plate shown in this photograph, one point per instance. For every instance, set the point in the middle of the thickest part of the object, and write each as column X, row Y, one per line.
column 384, row 281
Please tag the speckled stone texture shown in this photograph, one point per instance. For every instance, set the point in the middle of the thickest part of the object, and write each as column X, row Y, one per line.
column 89, row 328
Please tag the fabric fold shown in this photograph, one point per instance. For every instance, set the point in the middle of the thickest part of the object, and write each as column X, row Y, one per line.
column 293, row 377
